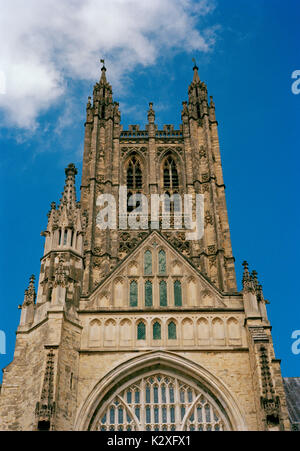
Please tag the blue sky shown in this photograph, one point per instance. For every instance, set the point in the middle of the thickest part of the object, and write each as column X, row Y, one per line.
column 246, row 52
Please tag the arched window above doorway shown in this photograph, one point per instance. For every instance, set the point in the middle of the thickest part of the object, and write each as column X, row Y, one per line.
column 160, row 401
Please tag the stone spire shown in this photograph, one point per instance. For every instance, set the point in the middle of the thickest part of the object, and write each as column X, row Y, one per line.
column 198, row 103
column 196, row 78
column 103, row 80
column 69, row 194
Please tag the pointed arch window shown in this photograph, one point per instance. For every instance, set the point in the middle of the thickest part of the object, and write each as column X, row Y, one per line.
column 170, row 172
column 141, row 331
column 133, row 294
column 148, row 294
column 172, row 334
column 177, row 293
column 163, row 298
column 134, row 174
column 162, row 266
column 148, row 263
column 156, row 331
column 168, row 403
column 65, row 236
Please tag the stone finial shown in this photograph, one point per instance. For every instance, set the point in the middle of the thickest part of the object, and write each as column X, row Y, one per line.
column 151, row 113
column 254, row 279
column 69, row 194
column 30, row 293
column 71, row 170
column 103, row 70
column 116, row 113
column 247, row 280
column 195, row 64
column 196, row 78
column 185, row 111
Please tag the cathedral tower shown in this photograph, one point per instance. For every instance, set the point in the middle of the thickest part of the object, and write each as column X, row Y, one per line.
column 138, row 327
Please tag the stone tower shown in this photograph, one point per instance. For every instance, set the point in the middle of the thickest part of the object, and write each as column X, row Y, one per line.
column 140, row 328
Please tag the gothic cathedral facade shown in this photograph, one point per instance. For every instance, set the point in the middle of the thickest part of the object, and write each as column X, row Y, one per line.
column 140, row 328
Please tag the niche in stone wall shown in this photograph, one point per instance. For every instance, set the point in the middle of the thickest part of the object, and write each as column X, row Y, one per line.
column 206, row 299
column 110, row 333
column 133, row 269
column 118, row 293
column 187, row 332
column 203, row 332
column 125, row 333
column 103, row 300
column 94, row 333
column 192, row 292
column 218, row 332
column 176, row 268
column 234, row 332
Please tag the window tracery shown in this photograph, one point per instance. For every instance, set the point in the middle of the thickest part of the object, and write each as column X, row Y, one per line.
column 161, row 402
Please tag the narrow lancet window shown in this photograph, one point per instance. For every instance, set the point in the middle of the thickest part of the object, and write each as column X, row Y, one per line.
column 148, row 263
column 148, row 294
column 141, row 331
column 133, row 294
column 177, row 293
column 170, row 172
column 163, row 300
column 172, row 331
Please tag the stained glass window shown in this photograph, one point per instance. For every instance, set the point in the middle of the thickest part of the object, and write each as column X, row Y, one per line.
column 177, row 294
column 156, row 331
column 133, row 294
column 148, row 263
column 162, row 262
column 172, row 331
column 160, row 402
column 163, row 299
column 148, row 294
column 141, row 331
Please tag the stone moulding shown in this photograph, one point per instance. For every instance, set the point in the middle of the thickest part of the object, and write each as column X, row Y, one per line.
column 160, row 359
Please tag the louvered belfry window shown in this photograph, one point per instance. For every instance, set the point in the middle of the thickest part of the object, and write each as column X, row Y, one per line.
column 134, row 174
column 171, row 179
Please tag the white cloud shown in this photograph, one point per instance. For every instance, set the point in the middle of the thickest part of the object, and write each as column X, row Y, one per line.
column 45, row 41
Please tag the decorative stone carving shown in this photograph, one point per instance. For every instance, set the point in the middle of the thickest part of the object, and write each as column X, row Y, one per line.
column 30, row 294
column 208, row 218
column 269, row 401
column 46, row 407
column 61, row 274
column 202, row 152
